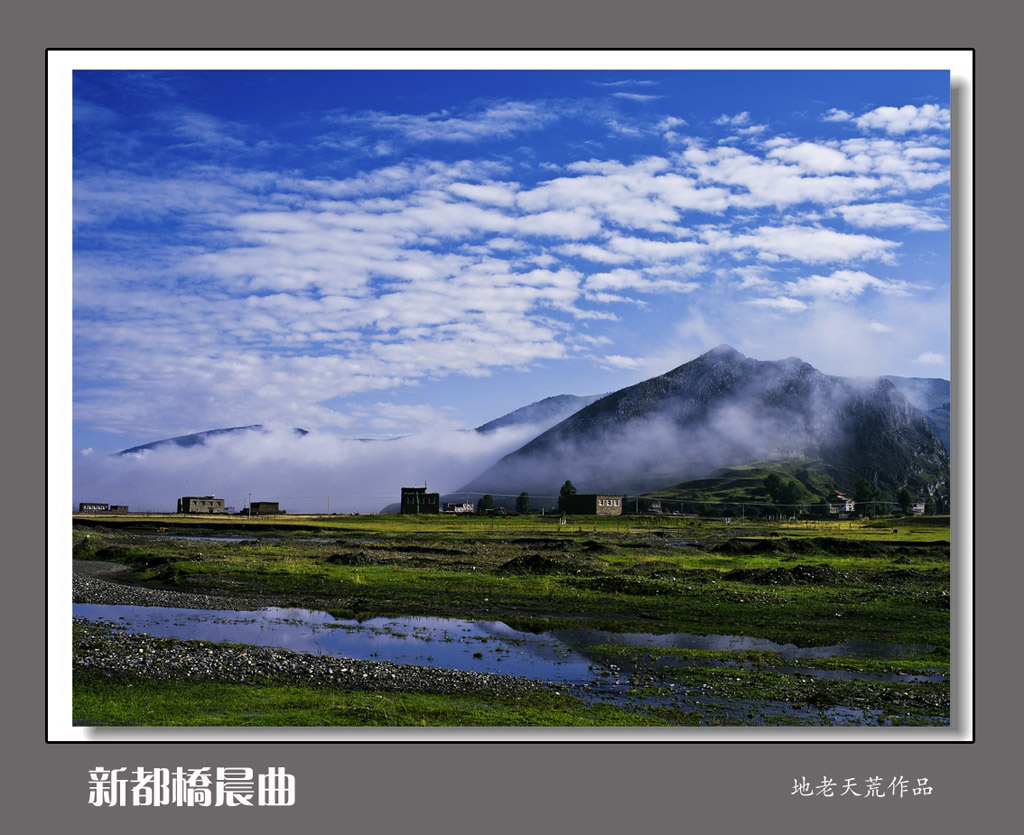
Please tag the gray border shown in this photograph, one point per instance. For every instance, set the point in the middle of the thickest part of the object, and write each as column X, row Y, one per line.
column 597, row 787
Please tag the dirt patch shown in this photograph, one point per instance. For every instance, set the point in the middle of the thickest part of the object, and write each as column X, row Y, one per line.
column 831, row 546
column 359, row 558
column 741, row 547
column 797, row 575
column 535, row 564
column 639, row 586
column 420, row 550
column 537, row 542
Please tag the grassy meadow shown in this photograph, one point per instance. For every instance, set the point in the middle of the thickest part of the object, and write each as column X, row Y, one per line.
column 811, row 584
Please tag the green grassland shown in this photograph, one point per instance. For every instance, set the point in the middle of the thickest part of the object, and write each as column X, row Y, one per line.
column 806, row 583
column 101, row 701
column 790, row 584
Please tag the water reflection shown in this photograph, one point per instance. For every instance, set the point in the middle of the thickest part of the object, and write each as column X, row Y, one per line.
column 449, row 643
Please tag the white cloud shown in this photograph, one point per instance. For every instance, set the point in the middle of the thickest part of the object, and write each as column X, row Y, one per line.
column 930, row 358
column 814, row 158
column 636, row 96
column 835, row 115
column 882, row 215
column 496, row 194
column 616, row 361
column 500, row 119
column 637, row 280
column 783, row 304
column 802, row 243
column 733, row 121
column 770, row 182
column 751, row 277
column 844, row 284
column 905, row 119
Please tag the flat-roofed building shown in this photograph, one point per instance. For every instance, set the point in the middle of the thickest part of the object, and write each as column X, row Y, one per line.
column 200, row 504
column 593, row 504
column 463, row 507
column 418, row 500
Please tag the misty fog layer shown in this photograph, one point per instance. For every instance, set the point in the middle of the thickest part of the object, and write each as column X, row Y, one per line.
column 302, row 473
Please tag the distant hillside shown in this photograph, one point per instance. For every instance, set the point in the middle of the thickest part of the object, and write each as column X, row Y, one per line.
column 199, row 438
column 746, row 483
column 724, row 410
column 548, row 411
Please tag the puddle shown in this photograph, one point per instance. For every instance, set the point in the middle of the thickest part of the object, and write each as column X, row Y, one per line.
column 478, row 646
column 449, row 643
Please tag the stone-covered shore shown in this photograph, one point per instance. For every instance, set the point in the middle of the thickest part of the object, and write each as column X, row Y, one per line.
column 103, row 648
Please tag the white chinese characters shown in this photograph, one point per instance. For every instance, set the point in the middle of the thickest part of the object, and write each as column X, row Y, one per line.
column 205, row 786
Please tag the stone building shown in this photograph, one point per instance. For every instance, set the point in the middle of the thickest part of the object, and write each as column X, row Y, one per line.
column 418, row 500
column 592, row 504
column 200, row 504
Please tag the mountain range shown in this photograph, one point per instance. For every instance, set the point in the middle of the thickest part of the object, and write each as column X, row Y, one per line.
column 718, row 411
column 198, row 438
column 549, row 411
column 724, row 409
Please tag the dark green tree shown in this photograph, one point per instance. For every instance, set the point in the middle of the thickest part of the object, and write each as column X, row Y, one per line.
column 568, row 489
column 905, row 501
column 870, row 499
column 785, row 492
column 485, row 503
column 523, row 503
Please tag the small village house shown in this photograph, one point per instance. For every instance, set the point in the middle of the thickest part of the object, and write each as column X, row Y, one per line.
column 592, row 504
column 462, row 507
column 418, row 500
column 839, row 503
column 201, row 504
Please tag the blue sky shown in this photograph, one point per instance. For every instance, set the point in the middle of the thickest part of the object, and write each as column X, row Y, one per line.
column 371, row 253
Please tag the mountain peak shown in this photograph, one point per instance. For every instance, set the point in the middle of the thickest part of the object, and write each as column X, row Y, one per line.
column 723, row 351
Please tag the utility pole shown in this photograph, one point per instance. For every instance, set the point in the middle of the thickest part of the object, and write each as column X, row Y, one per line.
column 250, row 505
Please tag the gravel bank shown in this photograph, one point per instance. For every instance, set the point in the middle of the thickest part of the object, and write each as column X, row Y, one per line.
column 102, row 647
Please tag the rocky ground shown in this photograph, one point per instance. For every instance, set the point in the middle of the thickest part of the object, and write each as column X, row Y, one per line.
column 102, row 582
column 103, row 648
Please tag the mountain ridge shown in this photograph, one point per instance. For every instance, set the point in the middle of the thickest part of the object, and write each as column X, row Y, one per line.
column 723, row 409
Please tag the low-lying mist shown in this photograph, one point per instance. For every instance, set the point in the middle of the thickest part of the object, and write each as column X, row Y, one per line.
column 302, row 473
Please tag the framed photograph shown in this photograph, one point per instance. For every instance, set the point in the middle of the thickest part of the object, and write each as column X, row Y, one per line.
column 558, row 395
